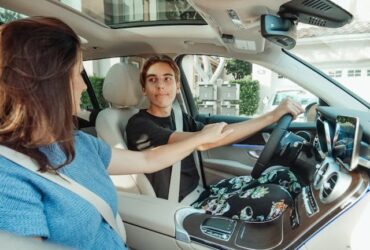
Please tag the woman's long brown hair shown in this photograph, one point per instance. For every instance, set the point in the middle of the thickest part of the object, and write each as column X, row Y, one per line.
column 37, row 59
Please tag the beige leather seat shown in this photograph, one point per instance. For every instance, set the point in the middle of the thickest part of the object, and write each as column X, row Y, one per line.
column 122, row 90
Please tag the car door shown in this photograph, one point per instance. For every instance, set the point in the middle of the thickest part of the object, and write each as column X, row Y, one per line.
column 212, row 95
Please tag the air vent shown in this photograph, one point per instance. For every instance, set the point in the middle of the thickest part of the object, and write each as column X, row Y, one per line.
column 323, row 171
column 329, row 185
column 334, row 186
column 319, row 175
column 317, row 4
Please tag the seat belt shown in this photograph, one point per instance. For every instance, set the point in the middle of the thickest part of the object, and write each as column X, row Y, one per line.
column 103, row 208
column 174, row 189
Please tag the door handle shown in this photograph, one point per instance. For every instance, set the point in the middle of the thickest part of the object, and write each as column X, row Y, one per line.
column 254, row 154
column 253, row 151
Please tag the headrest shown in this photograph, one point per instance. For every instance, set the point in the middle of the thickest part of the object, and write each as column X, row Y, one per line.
column 122, row 86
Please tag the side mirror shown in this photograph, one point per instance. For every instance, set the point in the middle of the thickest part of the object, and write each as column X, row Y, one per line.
column 280, row 31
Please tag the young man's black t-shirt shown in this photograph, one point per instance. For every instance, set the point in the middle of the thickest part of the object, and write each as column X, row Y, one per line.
column 147, row 131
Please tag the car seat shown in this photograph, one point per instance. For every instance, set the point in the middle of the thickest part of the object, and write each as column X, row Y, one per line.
column 122, row 90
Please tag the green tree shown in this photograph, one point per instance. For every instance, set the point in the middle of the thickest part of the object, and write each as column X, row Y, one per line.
column 249, row 95
column 238, row 68
column 7, row 16
column 97, row 83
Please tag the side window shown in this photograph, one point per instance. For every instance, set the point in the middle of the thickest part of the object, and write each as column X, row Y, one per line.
column 226, row 86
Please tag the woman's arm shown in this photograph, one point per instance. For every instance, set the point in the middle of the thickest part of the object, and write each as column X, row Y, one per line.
column 151, row 160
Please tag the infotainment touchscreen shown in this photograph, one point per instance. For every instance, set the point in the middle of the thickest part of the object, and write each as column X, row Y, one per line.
column 346, row 141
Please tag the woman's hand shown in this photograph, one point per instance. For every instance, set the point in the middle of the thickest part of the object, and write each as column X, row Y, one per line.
column 212, row 133
column 286, row 107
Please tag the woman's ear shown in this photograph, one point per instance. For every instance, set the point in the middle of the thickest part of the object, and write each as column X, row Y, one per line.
column 143, row 91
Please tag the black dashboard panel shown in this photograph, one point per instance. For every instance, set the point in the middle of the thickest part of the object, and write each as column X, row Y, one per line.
column 330, row 192
column 331, row 113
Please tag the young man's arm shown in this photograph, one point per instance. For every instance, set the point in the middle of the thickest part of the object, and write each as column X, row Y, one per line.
column 242, row 130
column 152, row 160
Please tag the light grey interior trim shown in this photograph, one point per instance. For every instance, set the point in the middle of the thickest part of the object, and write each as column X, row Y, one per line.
column 139, row 238
column 349, row 231
column 227, row 166
column 180, row 215
column 214, row 176
column 149, row 212
column 363, row 162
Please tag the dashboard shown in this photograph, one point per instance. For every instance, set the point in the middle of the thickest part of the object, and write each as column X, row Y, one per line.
column 342, row 142
column 344, row 135
column 338, row 178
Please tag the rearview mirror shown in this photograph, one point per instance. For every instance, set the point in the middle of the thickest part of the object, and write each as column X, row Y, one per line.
column 282, row 32
column 323, row 13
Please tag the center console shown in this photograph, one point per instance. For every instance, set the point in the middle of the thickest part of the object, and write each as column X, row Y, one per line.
column 332, row 191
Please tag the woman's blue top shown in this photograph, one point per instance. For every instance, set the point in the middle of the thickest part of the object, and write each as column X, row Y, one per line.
column 31, row 205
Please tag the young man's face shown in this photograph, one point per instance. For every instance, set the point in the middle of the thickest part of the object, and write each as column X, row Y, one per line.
column 160, row 85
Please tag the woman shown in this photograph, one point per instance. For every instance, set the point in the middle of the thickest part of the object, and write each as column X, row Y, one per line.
column 241, row 197
column 40, row 90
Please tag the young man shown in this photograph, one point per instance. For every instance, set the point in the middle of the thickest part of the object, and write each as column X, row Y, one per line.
column 155, row 126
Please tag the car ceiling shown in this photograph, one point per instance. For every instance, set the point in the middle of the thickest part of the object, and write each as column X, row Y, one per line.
column 103, row 42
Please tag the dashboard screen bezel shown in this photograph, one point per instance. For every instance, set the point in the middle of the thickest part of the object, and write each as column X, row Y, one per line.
column 324, row 134
column 354, row 159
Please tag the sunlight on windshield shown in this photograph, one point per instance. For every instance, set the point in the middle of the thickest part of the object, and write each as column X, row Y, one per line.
column 343, row 53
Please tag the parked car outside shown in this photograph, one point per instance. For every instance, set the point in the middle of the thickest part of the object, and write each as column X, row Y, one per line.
column 303, row 97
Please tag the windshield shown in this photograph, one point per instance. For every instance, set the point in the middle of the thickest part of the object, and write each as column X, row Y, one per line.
column 343, row 53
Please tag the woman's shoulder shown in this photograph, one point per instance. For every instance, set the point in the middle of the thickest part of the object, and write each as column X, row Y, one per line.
column 85, row 138
column 86, row 143
column 14, row 176
column 7, row 165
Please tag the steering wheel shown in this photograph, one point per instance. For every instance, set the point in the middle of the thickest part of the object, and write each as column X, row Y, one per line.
column 271, row 145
